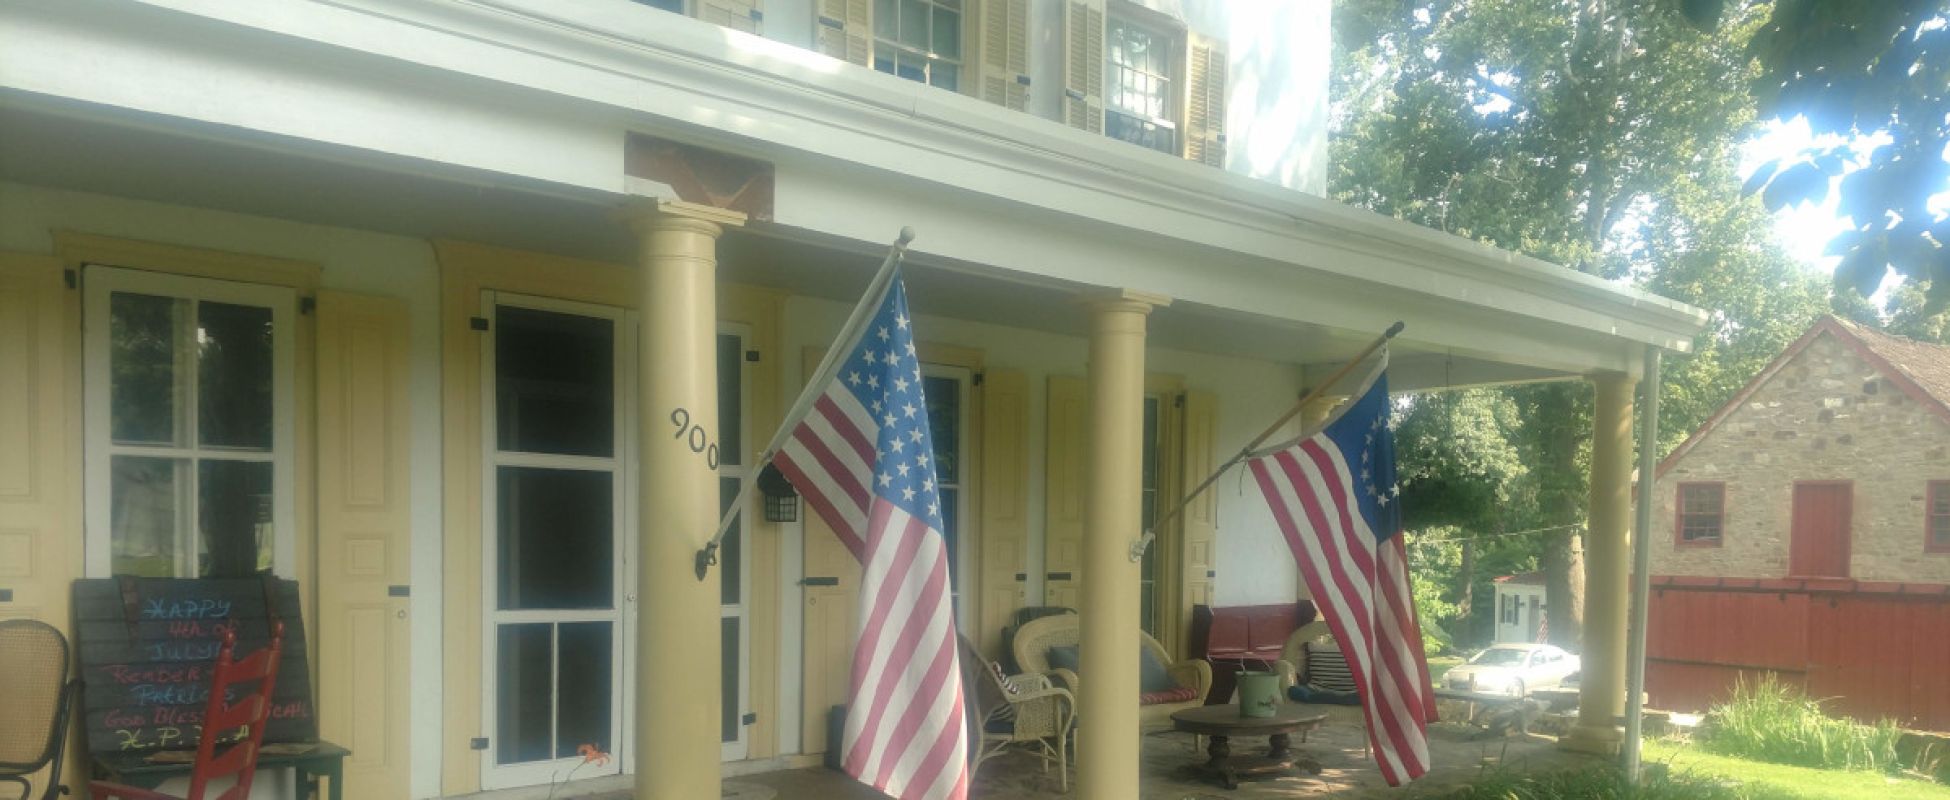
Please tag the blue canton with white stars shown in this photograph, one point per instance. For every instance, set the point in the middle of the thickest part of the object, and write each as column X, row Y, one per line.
column 885, row 374
column 1366, row 440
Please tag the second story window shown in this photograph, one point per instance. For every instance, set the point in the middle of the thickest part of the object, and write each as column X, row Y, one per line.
column 1139, row 104
column 1936, row 524
column 919, row 40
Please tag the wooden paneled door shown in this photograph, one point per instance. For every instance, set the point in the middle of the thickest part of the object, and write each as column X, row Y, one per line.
column 1820, row 529
column 1063, row 491
column 364, row 531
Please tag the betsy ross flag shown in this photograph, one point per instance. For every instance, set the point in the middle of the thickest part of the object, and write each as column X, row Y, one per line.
column 863, row 459
column 1333, row 494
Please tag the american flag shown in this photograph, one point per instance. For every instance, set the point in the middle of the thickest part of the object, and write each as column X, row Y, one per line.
column 862, row 457
column 1333, row 494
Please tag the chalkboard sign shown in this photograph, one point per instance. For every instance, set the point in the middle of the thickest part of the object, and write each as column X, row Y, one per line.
column 147, row 647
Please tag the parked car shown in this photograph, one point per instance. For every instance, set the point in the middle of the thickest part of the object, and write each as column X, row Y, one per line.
column 1512, row 669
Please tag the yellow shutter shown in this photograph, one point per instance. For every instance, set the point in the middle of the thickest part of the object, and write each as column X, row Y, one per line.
column 831, row 599
column 1004, row 50
column 1205, row 102
column 740, row 15
column 1005, row 501
column 844, row 30
column 1198, row 526
column 1083, row 64
column 1063, row 481
column 40, row 447
column 364, row 532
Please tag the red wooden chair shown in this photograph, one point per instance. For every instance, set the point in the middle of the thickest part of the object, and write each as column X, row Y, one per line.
column 245, row 720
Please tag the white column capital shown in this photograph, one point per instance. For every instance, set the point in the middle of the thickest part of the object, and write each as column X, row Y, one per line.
column 654, row 216
column 1122, row 300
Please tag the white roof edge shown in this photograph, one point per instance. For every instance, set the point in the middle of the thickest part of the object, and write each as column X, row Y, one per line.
column 763, row 70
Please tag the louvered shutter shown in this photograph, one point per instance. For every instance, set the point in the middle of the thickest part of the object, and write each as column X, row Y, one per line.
column 845, row 30
column 1205, row 102
column 740, row 15
column 1004, row 50
column 1083, row 65
column 1005, row 501
column 1063, row 491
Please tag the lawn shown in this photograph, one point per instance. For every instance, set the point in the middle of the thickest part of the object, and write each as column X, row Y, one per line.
column 1763, row 781
column 1441, row 664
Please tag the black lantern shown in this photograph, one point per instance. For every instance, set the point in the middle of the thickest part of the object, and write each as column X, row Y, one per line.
column 781, row 502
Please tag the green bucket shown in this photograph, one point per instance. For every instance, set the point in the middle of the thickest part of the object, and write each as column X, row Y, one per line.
column 1259, row 693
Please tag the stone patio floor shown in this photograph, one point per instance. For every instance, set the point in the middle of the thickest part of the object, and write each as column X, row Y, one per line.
column 1461, row 753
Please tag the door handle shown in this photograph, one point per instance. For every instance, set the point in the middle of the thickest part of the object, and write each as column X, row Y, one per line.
column 823, row 580
column 1058, row 576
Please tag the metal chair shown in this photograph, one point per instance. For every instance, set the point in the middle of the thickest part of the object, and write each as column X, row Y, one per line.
column 238, row 728
column 36, row 696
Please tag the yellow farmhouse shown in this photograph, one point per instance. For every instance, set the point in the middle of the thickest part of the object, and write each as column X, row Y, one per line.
column 474, row 312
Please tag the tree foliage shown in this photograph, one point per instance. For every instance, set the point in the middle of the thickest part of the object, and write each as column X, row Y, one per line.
column 1857, row 69
column 1598, row 135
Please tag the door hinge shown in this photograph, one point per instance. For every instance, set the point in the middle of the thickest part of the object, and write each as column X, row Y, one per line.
column 1179, row 401
column 477, row 323
column 976, row 378
column 1022, row 577
column 750, row 718
column 399, row 591
column 306, row 305
column 70, row 277
column 752, row 356
column 478, row 743
column 6, row 595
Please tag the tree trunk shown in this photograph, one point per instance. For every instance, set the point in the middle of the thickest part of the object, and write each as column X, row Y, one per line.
column 1561, row 496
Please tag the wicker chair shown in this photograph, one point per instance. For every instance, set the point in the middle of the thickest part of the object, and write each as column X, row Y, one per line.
column 1292, row 666
column 36, row 696
column 1036, row 637
column 1016, row 710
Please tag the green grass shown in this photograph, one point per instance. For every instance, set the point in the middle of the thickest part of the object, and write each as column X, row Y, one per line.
column 1441, row 664
column 1767, row 720
column 1760, row 780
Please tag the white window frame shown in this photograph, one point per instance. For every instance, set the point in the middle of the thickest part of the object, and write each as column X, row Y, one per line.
column 622, row 466
column 98, row 284
column 1174, row 40
column 896, row 49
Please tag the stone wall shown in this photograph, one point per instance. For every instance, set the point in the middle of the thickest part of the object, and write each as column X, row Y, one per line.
column 1826, row 415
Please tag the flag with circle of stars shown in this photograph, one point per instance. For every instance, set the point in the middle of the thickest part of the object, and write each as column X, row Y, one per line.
column 1365, row 428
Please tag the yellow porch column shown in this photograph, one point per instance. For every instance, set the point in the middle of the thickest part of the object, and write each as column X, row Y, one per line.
column 676, row 680
column 1107, row 761
column 1607, row 565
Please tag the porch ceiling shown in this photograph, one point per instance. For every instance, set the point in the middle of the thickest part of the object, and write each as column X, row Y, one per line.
column 63, row 145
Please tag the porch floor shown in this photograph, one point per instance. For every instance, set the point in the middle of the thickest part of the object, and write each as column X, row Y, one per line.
column 1460, row 752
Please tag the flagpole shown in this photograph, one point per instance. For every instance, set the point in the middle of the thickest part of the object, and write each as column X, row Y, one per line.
column 708, row 555
column 1138, row 547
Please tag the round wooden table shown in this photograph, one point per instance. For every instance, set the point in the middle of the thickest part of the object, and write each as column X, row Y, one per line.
column 1224, row 722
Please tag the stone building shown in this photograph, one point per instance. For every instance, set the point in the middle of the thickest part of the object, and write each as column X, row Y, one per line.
column 1833, row 462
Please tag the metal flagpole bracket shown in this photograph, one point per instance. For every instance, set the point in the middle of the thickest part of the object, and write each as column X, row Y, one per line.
column 1141, row 544
column 707, row 556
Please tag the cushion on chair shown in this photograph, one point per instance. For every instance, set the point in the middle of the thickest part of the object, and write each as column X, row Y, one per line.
column 1152, row 675
column 1179, row 694
column 1327, row 668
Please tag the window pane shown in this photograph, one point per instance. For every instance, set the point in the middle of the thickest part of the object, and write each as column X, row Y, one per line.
column 731, row 551
column 886, row 19
column 1149, row 471
column 943, row 397
column 555, row 539
column 945, row 75
column 914, row 24
column 233, row 375
column 911, row 67
column 951, row 528
column 234, row 506
column 146, row 506
column 144, row 396
column 731, row 388
column 667, row 5
column 523, row 693
column 555, row 382
column 583, row 687
column 883, row 60
column 947, row 34
column 729, row 713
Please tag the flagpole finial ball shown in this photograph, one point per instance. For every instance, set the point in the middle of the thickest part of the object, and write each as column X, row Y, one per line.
column 907, row 236
column 1396, row 328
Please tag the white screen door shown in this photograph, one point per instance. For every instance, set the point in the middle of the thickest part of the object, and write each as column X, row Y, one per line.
column 558, row 519
column 734, row 587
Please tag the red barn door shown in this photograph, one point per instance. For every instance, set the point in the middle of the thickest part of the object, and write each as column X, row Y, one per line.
column 1820, row 529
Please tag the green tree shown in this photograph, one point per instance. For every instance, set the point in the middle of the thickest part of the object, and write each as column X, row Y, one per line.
column 1599, row 135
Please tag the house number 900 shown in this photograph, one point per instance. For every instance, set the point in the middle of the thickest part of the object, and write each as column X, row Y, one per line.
column 699, row 441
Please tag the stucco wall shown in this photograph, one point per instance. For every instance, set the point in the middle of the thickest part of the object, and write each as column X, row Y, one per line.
column 1826, row 415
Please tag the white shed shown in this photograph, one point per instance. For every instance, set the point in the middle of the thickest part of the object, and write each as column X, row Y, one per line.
column 1520, row 608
